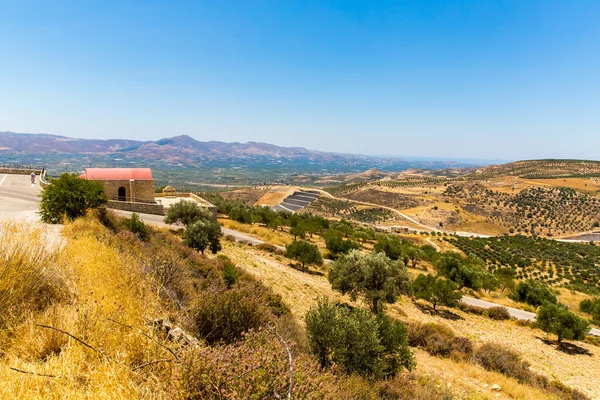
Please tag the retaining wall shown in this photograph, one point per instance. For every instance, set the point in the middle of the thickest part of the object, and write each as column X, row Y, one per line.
column 144, row 208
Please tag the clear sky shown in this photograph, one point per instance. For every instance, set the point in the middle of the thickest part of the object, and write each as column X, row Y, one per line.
column 470, row 79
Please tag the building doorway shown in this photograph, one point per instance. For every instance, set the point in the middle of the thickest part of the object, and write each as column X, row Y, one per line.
column 121, row 194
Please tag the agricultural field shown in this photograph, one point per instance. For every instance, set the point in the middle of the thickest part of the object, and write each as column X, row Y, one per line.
column 542, row 211
column 571, row 265
column 332, row 208
column 544, row 169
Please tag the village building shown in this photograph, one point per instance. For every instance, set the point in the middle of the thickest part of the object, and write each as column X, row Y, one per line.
column 134, row 185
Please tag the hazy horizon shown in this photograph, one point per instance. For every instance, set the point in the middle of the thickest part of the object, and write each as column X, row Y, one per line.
column 479, row 80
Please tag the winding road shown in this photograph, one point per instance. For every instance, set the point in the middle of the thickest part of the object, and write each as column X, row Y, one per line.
column 19, row 199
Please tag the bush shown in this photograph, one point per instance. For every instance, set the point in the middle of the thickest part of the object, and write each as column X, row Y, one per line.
column 357, row 341
column 70, row 197
column 495, row 357
column 230, row 274
column 268, row 247
column 533, row 293
column 439, row 340
column 226, row 315
column 136, row 226
column 592, row 307
column 470, row 309
column 497, row 313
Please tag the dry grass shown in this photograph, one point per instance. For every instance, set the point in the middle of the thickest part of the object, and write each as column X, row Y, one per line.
column 266, row 234
column 107, row 287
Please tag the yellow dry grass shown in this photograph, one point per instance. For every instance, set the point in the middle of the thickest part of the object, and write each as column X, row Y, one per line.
column 106, row 286
column 268, row 235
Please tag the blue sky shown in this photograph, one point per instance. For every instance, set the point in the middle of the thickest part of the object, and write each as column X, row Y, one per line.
column 454, row 79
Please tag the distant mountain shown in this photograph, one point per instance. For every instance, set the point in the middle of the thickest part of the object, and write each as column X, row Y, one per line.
column 180, row 149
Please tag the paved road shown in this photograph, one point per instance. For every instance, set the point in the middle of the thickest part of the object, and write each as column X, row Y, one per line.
column 158, row 220
column 514, row 312
column 19, row 199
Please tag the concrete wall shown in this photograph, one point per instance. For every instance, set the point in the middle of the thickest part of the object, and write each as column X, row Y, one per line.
column 144, row 208
column 134, row 190
column 14, row 171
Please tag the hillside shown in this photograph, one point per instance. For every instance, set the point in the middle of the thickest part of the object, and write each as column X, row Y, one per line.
column 545, row 169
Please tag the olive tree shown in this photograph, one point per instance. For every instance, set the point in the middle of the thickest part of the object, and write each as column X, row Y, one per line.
column 304, row 252
column 186, row 212
column 202, row 235
column 373, row 276
column 557, row 319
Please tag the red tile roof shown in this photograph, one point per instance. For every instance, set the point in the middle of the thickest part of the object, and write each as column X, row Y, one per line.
column 117, row 174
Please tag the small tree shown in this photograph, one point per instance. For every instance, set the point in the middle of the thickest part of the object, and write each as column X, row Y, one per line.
column 304, row 252
column 533, row 293
column 592, row 307
column 201, row 235
column 186, row 212
column 372, row 276
column 69, row 196
column 357, row 341
column 557, row 319
column 436, row 290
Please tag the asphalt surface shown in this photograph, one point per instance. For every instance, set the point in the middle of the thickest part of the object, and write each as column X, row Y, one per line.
column 20, row 199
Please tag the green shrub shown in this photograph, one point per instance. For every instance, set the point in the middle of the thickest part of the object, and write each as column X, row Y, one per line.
column 592, row 307
column 136, row 226
column 470, row 309
column 230, row 274
column 533, row 293
column 187, row 212
column 497, row 313
column 357, row 341
column 70, row 196
column 268, row 247
column 304, row 252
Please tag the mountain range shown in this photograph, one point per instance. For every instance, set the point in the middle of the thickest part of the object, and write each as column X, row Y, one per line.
column 182, row 149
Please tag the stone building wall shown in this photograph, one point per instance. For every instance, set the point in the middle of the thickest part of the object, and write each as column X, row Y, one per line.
column 134, row 190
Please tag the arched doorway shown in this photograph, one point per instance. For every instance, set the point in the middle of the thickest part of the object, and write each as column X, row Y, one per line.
column 121, row 194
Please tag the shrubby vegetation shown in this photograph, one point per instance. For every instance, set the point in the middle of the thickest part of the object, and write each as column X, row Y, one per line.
column 357, row 341
column 533, row 293
column 592, row 307
column 69, row 197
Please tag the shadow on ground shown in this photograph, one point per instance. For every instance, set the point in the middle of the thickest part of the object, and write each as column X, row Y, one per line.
column 447, row 314
column 567, row 348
